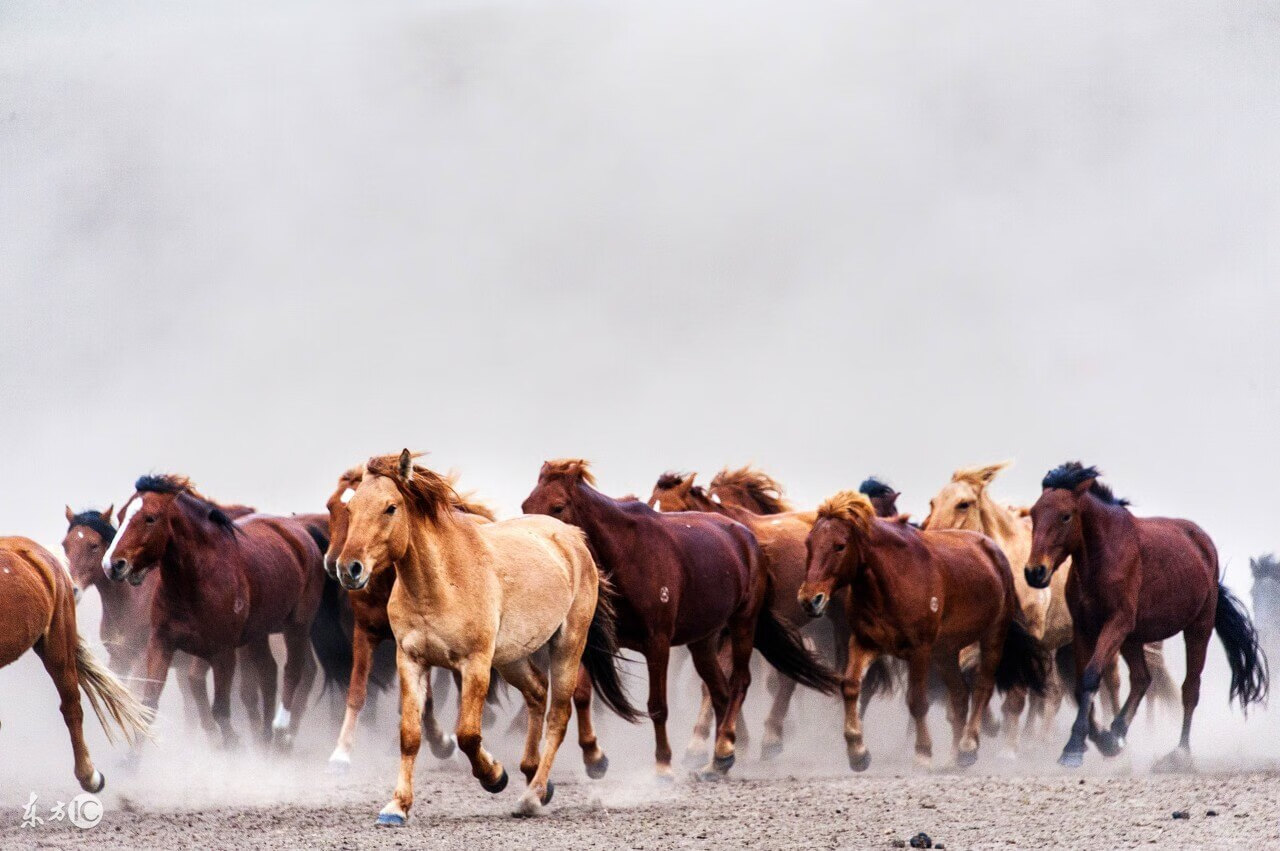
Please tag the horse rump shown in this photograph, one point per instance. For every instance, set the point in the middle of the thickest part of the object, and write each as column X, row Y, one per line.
column 1023, row 660
column 783, row 648
column 601, row 656
column 1250, row 680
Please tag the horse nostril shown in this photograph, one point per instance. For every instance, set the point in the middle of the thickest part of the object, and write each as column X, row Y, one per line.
column 356, row 569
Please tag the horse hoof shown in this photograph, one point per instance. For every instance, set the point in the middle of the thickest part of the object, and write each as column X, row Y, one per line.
column 598, row 769
column 549, row 794
column 708, row 774
column 1175, row 761
column 1071, row 759
column 95, row 782
column 338, row 767
column 771, row 750
column 1109, row 744
column 964, row 759
column 391, row 819
column 444, row 748
column 498, row 786
column 722, row 764
column 860, row 762
column 695, row 758
column 664, row 778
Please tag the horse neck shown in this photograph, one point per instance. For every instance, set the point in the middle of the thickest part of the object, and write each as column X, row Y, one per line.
column 435, row 566
column 1004, row 526
column 876, row 576
column 601, row 517
column 701, row 502
column 1100, row 524
column 193, row 556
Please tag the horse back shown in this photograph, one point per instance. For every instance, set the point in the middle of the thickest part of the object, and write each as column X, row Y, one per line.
column 34, row 587
column 1179, row 575
column 718, row 559
column 282, row 566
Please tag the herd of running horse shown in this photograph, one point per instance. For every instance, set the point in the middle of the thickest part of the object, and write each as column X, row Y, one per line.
column 405, row 574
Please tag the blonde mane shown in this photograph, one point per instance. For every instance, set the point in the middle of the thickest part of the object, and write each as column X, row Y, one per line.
column 760, row 486
column 569, row 468
column 426, row 489
column 852, row 506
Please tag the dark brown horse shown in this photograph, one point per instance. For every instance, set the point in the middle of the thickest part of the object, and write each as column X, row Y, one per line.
column 224, row 584
column 682, row 579
column 781, row 538
column 923, row 597
column 371, row 625
column 1135, row 580
column 38, row 612
column 882, row 496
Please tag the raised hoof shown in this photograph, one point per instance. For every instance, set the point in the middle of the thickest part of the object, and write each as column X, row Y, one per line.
column 860, row 762
column 771, row 750
column 1071, row 759
column 722, row 764
column 598, row 769
column 551, row 793
column 444, row 748
column 95, row 782
column 498, row 786
column 964, row 759
column 1109, row 744
column 391, row 819
column 695, row 758
column 338, row 767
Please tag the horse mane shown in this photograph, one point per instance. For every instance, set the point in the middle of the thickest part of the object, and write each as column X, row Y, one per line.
column 169, row 483
column 852, row 506
column 874, row 487
column 670, row 479
column 429, row 491
column 760, row 486
column 94, row 520
column 1072, row 474
column 467, row 502
column 979, row 477
column 577, row 469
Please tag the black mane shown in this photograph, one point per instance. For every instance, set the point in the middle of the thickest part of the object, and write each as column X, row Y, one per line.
column 874, row 488
column 181, row 486
column 1073, row 474
column 95, row 521
column 669, row 479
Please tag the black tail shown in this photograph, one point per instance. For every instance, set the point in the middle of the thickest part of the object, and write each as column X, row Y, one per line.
column 1024, row 661
column 329, row 638
column 784, row 649
column 878, row 679
column 601, row 658
column 1250, row 681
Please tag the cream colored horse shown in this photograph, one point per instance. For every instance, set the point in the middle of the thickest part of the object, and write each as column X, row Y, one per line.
column 966, row 503
column 471, row 597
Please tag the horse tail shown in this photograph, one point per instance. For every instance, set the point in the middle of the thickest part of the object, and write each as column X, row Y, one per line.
column 1023, row 661
column 1163, row 691
column 600, row 657
column 1250, row 680
column 330, row 640
column 878, row 679
column 111, row 701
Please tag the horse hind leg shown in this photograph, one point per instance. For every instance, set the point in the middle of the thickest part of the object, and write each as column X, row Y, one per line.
column 532, row 684
column 258, row 685
column 566, row 660
column 57, row 650
column 299, row 674
column 442, row 744
column 194, row 685
column 784, row 690
column 707, row 663
column 1197, row 641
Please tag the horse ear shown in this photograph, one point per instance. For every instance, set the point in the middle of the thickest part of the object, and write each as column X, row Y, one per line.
column 106, row 515
column 686, row 483
column 988, row 474
column 406, row 465
column 71, row 515
column 1083, row 487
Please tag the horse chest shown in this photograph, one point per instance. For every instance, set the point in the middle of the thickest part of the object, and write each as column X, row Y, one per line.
column 427, row 647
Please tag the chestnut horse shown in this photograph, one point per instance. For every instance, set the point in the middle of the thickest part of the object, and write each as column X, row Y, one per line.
column 224, row 584
column 781, row 538
column 38, row 612
column 371, row 626
column 1135, row 580
column 923, row 597
column 682, row 578
column 473, row 597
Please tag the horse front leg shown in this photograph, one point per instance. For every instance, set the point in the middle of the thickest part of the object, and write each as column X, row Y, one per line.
column 475, row 687
column 299, row 674
column 1093, row 657
column 159, row 658
column 857, row 660
column 706, row 661
column 362, row 645
column 224, row 671
column 412, row 672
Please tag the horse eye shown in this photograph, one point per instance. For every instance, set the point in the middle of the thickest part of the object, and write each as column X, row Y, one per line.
column 557, row 509
column 391, row 509
column 1066, row 518
column 149, row 520
column 962, row 506
column 838, row 548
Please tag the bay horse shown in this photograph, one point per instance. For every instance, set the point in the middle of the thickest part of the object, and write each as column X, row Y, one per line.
column 781, row 538
column 224, row 584
column 922, row 596
column 682, row 579
column 38, row 612
column 473, row 597
column 1135, row 580
column 371, row 626
column 882, row 495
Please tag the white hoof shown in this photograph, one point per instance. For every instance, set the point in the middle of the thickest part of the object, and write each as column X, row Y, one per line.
column 339, row 763
column 392, row 815
column 924, row 762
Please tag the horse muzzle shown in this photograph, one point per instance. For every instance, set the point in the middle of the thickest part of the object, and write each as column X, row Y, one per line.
column 117, row 570
column 353, row 575
column 1038, row 575
column 814, row 606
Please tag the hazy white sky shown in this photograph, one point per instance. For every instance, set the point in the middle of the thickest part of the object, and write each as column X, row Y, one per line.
column 257, row 244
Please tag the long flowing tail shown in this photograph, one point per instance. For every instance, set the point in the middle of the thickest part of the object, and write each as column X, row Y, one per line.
column 1250, row 680
column 601, row 658
column 1024, row 661
column 111, row 701
column 784, row 649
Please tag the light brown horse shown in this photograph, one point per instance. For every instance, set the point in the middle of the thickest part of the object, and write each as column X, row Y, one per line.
column 371, row 625
column 923, row 597
column 473, row 597
column 224, row 584
column 38, row 612
column 1135, row 580
column 781, row 538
